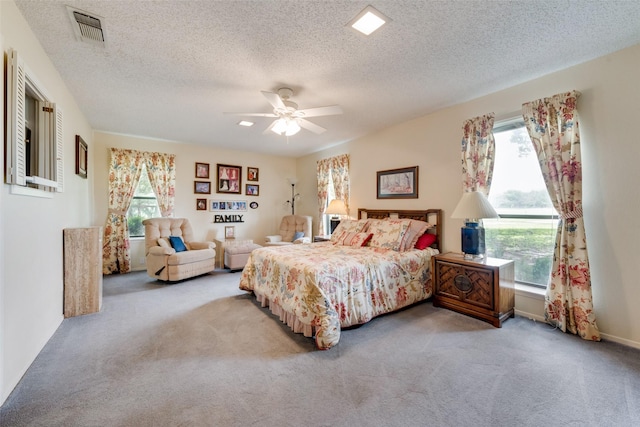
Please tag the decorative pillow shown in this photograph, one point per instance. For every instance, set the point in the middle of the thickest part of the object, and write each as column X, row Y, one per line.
column 298, row 235
column 163, row 242
column 353, row 239
column 388, row 233
column 349, row 226
column 425, row 241
column 415, row 230
column 177, row 243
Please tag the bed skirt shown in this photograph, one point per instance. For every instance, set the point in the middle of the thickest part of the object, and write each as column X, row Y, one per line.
column 287, row 318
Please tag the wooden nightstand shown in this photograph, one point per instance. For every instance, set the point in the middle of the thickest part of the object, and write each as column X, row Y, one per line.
column 483, row 289
column 317, row 239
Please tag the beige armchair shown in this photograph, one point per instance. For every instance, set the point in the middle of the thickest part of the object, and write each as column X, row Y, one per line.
column 168, row 263
column 288, row 227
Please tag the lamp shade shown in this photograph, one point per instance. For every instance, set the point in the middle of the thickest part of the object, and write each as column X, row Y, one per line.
column 474, row 204
column 336, row 207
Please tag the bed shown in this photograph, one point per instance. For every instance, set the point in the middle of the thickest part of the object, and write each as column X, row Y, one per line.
column 319, row 288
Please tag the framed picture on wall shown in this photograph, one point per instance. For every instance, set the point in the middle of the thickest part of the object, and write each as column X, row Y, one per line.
column 229, row 179
column 81, row 157
column 252, row 174
column 252, row 190
column 202, row 187
column 229, row 232
column 202, row 170
column 398, row 183
column 201, row 204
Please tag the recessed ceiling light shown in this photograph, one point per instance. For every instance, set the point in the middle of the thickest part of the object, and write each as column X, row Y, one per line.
column 245, row 123
column 369, row 20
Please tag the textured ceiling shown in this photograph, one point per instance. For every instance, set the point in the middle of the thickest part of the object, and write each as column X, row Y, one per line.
column 171, row 68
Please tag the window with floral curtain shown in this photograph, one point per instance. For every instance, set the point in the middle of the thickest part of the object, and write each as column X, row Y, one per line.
column 552, row 124
column 124, row 174
column 334, row 172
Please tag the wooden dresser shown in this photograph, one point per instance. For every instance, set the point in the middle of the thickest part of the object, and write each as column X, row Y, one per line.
column 483, row 288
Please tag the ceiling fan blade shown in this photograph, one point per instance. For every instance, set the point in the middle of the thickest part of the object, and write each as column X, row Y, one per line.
column 267, row 130
column 321, row 111
column 252, row 114
column 274, row 99
column 311, row 126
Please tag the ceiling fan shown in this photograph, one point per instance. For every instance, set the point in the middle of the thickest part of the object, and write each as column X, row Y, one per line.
column 289, row 119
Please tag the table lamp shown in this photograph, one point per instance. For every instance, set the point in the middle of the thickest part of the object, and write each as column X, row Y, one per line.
column 336, row 207
column 472, row 207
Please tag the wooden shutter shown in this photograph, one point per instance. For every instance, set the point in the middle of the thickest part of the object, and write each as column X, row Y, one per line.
column 16, row 172
column 59, row 144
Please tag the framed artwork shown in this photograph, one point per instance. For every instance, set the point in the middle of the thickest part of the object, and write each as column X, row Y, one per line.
column 252, row 174
column 252, row 190
column 228, row 205
column 229, row 179
column 229, row 232
column 202, row 170
column 253, row 205
column 202, row 187
column 201, row 204
column 81, row 157
column 398, row 183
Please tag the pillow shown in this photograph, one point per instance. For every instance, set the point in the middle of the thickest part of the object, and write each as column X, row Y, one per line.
column 353, row 239
column 416, row 229
column 349, row 226
column 298, row 235
column 163, row 242
column 426, row 240
column 177, row 243
column 388, row 234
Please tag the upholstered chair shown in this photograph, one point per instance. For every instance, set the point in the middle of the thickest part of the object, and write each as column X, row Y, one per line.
column 293, row 229
column 171, row 252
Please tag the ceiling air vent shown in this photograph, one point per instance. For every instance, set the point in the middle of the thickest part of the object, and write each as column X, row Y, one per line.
column 87, row 28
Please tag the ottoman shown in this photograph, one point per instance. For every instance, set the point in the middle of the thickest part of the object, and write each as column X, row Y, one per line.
column 236, row 254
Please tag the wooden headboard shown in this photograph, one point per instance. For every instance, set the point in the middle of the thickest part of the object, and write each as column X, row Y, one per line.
column 432, row 216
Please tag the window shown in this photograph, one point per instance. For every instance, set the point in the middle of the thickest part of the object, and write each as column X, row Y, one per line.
column 143, row 206
column 526, row 230
column 34, row 140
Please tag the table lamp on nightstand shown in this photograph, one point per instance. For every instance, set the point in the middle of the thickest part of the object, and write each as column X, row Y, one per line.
column 472, row 207
column 335, row 208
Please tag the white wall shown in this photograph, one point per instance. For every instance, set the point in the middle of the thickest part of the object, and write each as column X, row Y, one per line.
column 258, row 223
column 608, row 110
column 31, row 286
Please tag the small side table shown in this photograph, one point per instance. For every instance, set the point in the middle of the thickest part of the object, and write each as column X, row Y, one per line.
column 219, row 252
column 483, row 288
column 317, row 239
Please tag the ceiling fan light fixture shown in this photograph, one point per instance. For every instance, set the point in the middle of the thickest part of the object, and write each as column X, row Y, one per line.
column 292, row 128
column 369, row 20
column 286, row 127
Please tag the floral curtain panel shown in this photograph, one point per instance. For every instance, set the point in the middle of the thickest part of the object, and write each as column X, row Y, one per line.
column 161, row 169
column 552, row 124
column 332, row 171
column 478, row 154
column 124, row 173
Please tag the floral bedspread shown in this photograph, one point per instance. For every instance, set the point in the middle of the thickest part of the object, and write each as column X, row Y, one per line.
column 330, row 286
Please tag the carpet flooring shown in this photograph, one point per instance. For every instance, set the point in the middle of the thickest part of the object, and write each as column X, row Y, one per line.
column 204, row 353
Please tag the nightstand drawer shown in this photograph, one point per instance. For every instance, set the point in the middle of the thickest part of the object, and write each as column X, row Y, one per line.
column 472, row 285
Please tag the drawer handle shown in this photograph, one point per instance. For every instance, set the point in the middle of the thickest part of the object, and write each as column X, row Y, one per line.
column 462, row 283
